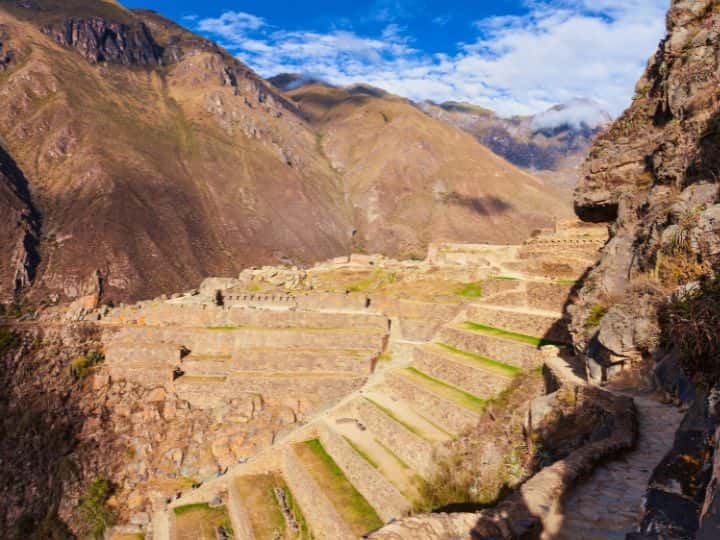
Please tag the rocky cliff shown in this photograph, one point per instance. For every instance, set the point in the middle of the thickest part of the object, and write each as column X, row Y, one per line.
column 20, row 225
column 652, row 301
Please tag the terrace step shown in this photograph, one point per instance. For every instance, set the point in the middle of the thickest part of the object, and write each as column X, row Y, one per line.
column 228, row 340
column 323, row 519
column 257, row 513
column 353, row 513
column 538, row 323
column 403, row 412
column 438, row 409
column 463, row 370
column 509, row 351
column 531, row 294
column 198, row 521
column 403, row 440
column 379, row 456
column 383, row 496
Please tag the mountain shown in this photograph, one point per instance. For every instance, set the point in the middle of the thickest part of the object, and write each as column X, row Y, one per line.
column 552, row 144
column 151, row 158
column 412, row 179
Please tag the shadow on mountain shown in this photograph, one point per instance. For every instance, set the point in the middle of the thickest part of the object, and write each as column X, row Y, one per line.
column 484, row 206
column 19, row 185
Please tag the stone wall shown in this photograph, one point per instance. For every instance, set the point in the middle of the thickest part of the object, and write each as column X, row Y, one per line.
column 358, row 361
column 476, row 381
column 324, row 520
column 533, row 294
column 413, row 450
column 542, row 326
column 519, row 354
column 468, row 254
column 442, row 412
column 225, row 341
column 210, row 315
column 382, row 496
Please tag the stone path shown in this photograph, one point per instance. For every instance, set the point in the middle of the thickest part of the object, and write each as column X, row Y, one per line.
column 606, row 506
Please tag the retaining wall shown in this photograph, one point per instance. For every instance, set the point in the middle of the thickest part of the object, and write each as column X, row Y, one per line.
column 504, row 350
column 442, row 412
column 382, row 496
column 443, row 366
column 325, row 522
column 413, row 450
column 541, row 326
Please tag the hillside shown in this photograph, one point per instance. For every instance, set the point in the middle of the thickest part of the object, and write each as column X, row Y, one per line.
column 551, row 145
column 152, row 155
column 412, row 179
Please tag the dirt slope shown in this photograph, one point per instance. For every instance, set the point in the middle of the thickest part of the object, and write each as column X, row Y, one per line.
column 412, row 179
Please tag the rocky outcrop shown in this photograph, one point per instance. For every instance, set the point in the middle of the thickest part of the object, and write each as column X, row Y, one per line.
column 654, row 175
column 20, row 225
column 100, row 41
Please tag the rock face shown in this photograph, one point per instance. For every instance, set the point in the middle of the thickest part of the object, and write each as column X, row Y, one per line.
column 101, row 41
column 654, row 175
column 20, row 226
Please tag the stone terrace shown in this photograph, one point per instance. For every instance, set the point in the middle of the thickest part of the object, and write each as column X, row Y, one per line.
column 390, row 378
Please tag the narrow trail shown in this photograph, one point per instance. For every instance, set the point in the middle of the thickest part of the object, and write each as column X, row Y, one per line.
column 607, row 504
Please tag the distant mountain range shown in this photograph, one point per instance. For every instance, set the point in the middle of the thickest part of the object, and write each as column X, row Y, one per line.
column 552, row 144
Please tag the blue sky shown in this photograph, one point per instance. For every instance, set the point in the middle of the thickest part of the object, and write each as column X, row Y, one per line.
column 513, row 56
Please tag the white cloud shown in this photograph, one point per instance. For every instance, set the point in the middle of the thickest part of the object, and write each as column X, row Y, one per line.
column 557, row 51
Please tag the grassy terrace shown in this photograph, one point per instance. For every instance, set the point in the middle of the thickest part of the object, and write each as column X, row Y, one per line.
column 199, row 521
column 350, row 504
column 359, row 451
column 483, row 362
column 470, row 290
column 261, row 504
column 499, row 332
column 396, row 418
column 443, row 389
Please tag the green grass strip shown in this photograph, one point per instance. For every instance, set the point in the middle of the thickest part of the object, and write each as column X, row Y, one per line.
column 359, row 451
column 351, row 504
column 524, row 338
column 305, row 533
column 499, row 367
column 180, row 510
column 461, row 397
column 470, row 290
column 400, row 421
column 397, row 458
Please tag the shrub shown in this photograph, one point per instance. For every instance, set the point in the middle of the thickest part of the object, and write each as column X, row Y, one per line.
column 691, row 325
column 81, row 365
column 597, row 312
column 96, row 515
